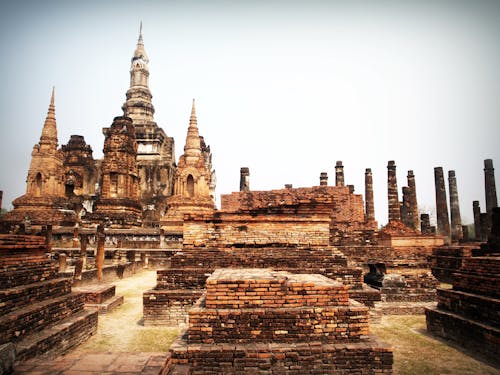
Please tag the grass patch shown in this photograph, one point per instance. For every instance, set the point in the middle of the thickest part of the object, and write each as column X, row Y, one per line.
column 416, row 353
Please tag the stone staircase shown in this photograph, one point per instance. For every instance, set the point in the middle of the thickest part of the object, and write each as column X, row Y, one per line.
column 38, row 312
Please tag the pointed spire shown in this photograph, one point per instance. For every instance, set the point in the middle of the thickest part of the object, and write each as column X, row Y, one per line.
column 192, row 149
column 140, row 52
column 49, row 131
column 140, row 34
column 52, row 96
column 192, row 119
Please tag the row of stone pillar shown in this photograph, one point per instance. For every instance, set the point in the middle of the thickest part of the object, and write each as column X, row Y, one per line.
column 482, row 222
column 407, row 210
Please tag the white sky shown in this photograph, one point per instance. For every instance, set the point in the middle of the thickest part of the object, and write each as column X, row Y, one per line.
column 285, row 88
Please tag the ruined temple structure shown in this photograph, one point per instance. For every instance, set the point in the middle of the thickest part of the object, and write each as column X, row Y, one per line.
column 81, row 174
column 44, row 201
column 63, row 184
column 468, row 313
column 118, row 202
column 267, row 322
column 194, row 180
column 290, row 229
column 155, row 150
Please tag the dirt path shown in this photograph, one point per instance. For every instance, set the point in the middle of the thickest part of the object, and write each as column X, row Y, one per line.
column 122, row 330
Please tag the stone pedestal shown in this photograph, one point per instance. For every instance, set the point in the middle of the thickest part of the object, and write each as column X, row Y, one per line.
column 257, row 320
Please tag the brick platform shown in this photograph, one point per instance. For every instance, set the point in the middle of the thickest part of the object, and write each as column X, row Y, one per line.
column 39, row 313
column 100, row 297
column 284, row 323
column 179, row 286
column 468, row 314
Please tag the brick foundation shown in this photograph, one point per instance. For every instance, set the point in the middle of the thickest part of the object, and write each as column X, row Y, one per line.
column 290, row 324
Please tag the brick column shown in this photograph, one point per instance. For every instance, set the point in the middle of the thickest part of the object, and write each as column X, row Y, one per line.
column 489, row 186
column 99, row 259
column 339, row 174
column 425, row 224
column 323, row 179
column 84, row 240
column 484, row 220
column 414, row 221
column 405, row 209
column 477, row 221
column 392, row 192
column 369, row 205
column 456, row 221
column 244, row 179
column 443, row 221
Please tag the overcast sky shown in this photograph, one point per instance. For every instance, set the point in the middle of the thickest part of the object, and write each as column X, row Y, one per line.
column 285, row 88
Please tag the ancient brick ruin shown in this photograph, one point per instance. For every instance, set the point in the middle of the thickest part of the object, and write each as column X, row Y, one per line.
column 39, row 313
column 45, row 200
column 313, row 241
column 468, row 313
column 194, row 182
column 118, row 202
column 253, row 320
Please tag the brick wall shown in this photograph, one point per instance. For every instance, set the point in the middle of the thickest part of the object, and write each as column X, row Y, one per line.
column 231, row 229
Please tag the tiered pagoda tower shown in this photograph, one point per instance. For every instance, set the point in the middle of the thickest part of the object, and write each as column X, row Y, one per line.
column 155, row 150
column 194, row 180
column 45, row 199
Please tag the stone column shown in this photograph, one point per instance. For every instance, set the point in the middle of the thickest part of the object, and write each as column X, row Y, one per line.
column 425, row 224
column 369, row 205
column 414, row 224
column 1, row 197
column 477, row 220
column 244, row 179
column 456, row 221
column 323, row 179
column 84, row 240
column 484, row 219
column 489, row 186
column 99, row 259
column 465, row 233
column 392, row 192
column 405, row 209
column 62, row 262
column 339, row 174
column 75, row 241
column 443, row 221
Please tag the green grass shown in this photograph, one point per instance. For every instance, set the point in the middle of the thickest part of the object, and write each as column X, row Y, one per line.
column 418, row 353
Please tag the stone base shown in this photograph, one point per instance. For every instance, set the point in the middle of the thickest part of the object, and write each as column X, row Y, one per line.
column 409, row 241
column 168, row 307
column 370, row 357
column 470, row 334
column 403, row 308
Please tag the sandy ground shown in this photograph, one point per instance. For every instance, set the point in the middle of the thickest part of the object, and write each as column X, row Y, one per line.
column 122, row 330
column 415, row 352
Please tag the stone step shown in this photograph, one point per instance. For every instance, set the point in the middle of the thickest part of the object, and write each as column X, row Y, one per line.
column 96, row 293
column 60, row 337
column 18, row 324
column 312, row 357
column 347, row 324
column 476, row 336
column 20, row 296
column 472, row 306
column 106, row 306
column 13, row 277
